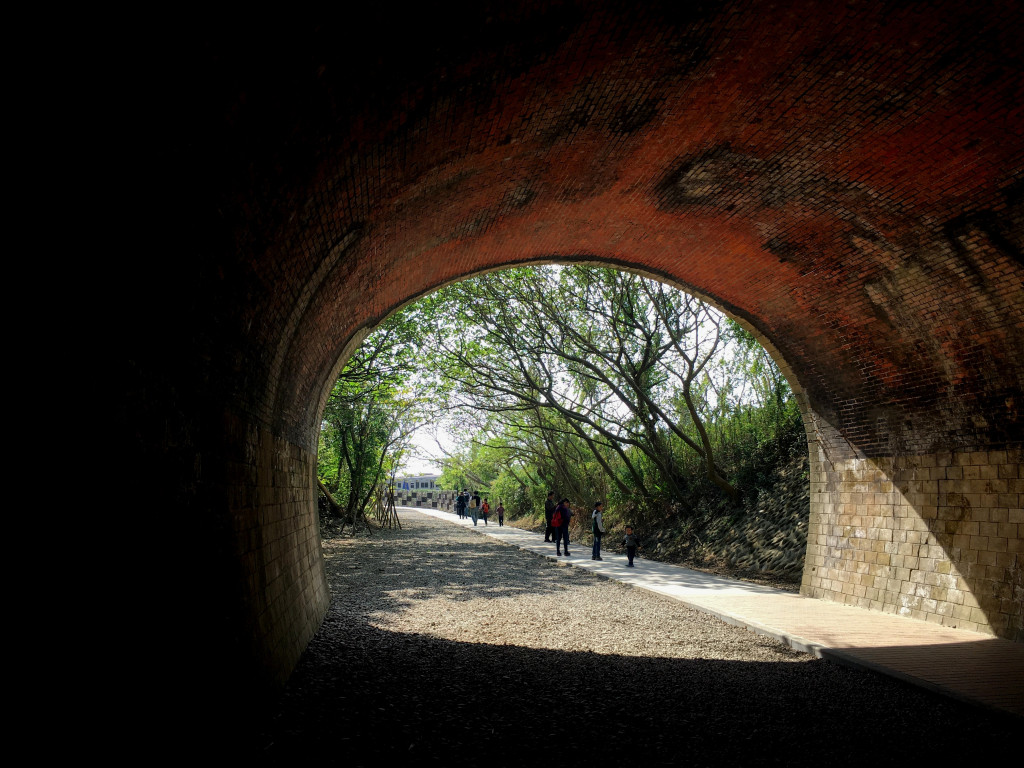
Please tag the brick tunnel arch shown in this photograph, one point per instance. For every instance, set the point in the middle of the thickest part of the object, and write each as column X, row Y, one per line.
column 848, row 180
column 873, row 518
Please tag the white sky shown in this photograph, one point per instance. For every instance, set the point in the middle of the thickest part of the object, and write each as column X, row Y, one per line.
column 424, row 448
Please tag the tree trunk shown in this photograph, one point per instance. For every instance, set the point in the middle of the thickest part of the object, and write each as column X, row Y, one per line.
column 335, row 506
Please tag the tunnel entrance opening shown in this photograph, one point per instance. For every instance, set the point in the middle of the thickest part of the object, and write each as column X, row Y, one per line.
column 600, row 383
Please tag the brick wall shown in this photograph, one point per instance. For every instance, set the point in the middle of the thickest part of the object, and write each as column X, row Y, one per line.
column 276, row 542
column 937, row 537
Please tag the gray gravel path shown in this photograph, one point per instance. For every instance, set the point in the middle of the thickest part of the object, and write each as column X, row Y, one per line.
column 443, row 647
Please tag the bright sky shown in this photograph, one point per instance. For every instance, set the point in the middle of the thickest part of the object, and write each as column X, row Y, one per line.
column 424, row 449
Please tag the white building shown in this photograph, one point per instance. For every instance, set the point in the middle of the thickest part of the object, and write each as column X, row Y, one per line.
column 417, row 482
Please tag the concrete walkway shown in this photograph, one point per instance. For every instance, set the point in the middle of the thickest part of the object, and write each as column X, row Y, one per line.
column 965, row 665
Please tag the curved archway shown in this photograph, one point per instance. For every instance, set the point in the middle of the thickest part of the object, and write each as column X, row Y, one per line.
column 847, row 180
column 873, row 518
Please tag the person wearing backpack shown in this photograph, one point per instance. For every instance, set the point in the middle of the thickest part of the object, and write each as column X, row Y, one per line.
column 597, row 523
column 560, row 522
column 474, row 506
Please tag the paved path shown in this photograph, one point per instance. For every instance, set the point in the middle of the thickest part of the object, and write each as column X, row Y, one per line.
column 965, row 665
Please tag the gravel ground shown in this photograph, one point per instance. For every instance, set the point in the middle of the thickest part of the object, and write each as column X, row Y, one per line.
column 443, row 647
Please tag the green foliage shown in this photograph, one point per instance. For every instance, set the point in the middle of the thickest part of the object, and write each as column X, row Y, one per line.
column 520, row 500
column 470, row 467
column 372, row 411
column 601, row 371
column 596, row 383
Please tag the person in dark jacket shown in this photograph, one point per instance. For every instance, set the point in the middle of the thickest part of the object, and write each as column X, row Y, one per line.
column 597, row 523
column 631, row 542
column 562, row 516
column 549, row 511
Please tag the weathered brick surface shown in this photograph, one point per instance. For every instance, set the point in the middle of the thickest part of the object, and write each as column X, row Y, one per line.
column 276, row 542
column 846, row 179
column 911, row 535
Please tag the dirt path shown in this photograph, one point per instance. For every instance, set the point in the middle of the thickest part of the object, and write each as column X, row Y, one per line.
column 444, row 648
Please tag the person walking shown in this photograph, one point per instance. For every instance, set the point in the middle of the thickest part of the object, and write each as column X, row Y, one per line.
column 485, row 510
column 474, row 506
column 631, row 543
column 597, row 523
column 549, row 511
column 560, row 521
column 501, row 513
column 460, row 505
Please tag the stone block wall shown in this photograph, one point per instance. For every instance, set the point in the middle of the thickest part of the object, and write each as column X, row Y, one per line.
column 938, row 537
column 427, row 499
column 275, row 538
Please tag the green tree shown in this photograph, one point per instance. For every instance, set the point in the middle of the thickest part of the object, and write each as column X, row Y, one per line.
column 593, row 382
column 588, row 360
column 373, row 410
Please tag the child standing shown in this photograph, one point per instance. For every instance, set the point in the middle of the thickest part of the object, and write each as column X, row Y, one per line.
column 631, row 543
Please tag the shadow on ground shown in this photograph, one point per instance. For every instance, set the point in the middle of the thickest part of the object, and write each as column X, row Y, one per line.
column 363, row 695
